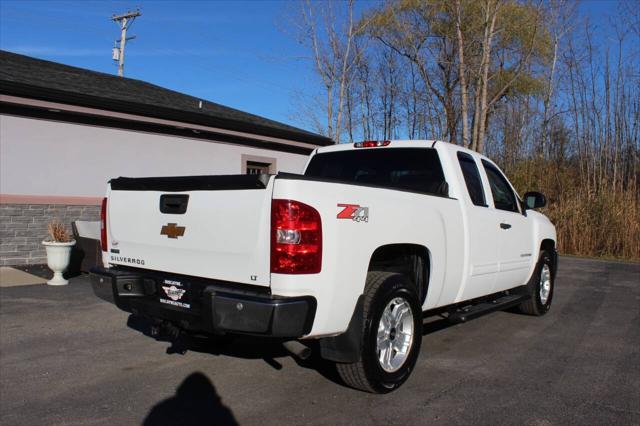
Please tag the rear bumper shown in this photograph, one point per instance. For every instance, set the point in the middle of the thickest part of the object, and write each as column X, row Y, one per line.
column 208, row 305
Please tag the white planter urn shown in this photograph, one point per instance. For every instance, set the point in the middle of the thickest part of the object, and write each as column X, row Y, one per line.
column 58, row 257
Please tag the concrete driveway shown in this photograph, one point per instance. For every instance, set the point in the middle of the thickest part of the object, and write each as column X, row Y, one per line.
column 68, row 358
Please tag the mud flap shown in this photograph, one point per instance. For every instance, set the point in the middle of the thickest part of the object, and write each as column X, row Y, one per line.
column 346, row 347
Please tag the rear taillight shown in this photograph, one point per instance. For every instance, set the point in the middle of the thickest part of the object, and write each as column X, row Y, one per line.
column 103, row 225
column 296, row 238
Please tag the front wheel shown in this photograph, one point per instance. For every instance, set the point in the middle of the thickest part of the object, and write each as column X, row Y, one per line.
column 540, row 288
column 391, row 336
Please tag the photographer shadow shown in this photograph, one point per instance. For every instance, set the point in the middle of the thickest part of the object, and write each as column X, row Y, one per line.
column 196, row 402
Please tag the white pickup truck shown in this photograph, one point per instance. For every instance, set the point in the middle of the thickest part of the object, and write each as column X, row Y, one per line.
column 353, row 254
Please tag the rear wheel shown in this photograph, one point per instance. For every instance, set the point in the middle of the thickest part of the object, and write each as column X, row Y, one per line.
column 391, row 336
column 540, row 288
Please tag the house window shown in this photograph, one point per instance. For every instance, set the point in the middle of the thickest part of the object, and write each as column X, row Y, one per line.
column 254, row 165
column 256, row 168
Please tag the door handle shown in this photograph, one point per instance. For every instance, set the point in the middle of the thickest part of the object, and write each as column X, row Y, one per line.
column 505, row 226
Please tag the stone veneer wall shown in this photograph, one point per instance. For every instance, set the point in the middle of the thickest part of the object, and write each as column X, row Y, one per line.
column 24, row 226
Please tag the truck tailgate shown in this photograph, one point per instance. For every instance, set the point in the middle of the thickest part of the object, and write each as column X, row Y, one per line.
column 223, row 233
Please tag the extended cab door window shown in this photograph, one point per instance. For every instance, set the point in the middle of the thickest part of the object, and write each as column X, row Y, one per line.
column 472, row 179
column 503, row 196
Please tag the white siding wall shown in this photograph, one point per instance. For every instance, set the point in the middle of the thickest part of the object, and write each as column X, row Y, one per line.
column 39, row 157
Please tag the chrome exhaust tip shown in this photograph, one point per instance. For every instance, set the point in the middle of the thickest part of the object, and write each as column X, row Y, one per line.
column 297, row 349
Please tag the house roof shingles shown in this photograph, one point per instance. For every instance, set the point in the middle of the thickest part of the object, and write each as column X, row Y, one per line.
column 51, row 81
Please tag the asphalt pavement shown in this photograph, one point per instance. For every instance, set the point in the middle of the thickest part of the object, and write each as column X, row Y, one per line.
column 69, row 358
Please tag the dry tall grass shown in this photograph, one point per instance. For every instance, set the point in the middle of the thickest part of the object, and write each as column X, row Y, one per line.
column 600, row 222
column 603, row 225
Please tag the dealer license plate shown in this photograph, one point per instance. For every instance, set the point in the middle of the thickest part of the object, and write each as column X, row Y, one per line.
column 174, row 293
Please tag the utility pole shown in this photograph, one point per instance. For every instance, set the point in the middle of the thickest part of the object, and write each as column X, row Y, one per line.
column 125, row 20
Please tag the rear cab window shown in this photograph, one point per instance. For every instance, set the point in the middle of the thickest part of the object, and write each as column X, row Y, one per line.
column 472, row 179
column 409, row 169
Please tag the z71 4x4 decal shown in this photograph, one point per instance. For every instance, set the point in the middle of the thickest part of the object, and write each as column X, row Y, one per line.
column 354, row 212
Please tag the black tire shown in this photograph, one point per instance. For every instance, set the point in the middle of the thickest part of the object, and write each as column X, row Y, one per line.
column 367, row 373
column 535, row 305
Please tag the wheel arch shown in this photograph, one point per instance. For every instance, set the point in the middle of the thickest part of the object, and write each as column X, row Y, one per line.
column 412, row 260
column 549, row 246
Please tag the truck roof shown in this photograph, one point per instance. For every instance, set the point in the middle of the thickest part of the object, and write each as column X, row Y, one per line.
column 392, row 144
column 402, row 143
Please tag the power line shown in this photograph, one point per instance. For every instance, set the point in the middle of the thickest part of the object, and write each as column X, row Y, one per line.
column 125, row 20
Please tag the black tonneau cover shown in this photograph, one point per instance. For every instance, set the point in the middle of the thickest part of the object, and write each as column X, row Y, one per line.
column 190, row 183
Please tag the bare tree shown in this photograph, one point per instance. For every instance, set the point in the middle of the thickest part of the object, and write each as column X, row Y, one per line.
column 330, row 37
column 462, row 72
column 525, row 81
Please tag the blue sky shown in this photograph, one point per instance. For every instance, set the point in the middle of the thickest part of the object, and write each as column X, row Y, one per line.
column 241, row 54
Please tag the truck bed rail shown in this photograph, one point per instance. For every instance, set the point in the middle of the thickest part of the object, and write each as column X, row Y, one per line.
column 191, row 183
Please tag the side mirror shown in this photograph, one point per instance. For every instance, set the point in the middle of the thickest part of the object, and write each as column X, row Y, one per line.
column 534, row 200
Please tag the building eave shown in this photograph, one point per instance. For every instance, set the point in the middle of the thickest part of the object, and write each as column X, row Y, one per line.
column 65, row 112
column 16, row 89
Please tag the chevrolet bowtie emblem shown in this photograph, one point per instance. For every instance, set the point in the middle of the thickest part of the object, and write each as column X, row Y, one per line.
column 172, row 230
